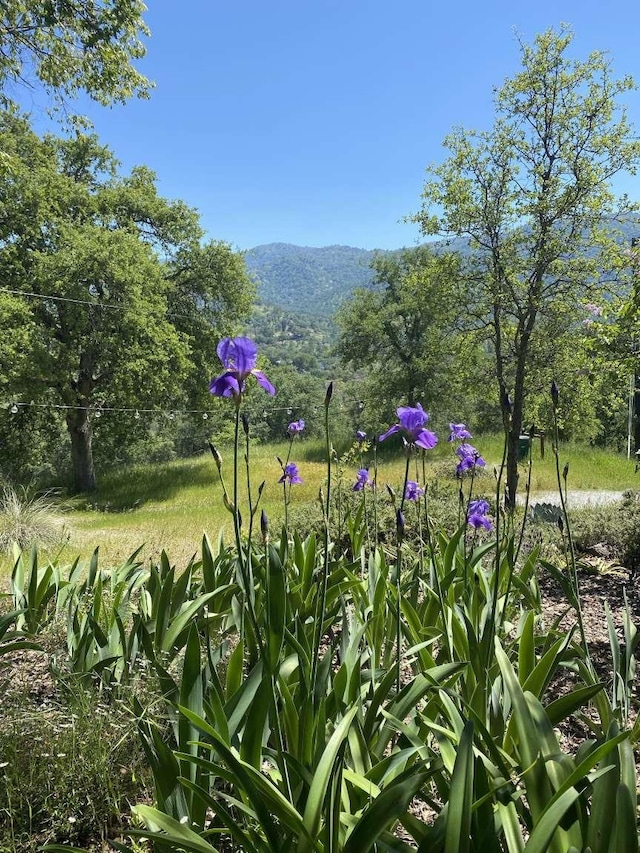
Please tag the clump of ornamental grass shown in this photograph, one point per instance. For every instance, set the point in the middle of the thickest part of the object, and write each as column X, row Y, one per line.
column 28, row 520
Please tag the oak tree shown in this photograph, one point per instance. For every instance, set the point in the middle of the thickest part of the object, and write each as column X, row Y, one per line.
column 69, row 46
column 118, row 301
column 404, row 333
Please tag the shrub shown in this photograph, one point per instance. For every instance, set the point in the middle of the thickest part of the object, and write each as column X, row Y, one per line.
column 616, row 527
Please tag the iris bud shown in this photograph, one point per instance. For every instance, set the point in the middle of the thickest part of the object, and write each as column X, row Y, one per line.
column 328, row 395
column 554, row 394
column 216, row 455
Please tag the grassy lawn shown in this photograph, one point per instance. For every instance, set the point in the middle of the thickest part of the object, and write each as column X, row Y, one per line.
column 170, row 506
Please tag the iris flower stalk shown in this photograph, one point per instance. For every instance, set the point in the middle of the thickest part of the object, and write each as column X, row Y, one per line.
column 289, row 476
column 400, row 527
column 281, row 752
column 415, row 493
column 475, row 511
column 411, row 424
column 496, row 568
column 322, row 599
column 375, row 494
column 571, row 554
column 362, row 445
column 469, row 461
column 362, row 481
column 434, row 577
column 239, row 358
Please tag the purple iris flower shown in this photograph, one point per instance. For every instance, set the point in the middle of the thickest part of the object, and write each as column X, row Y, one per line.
column 360, row 435
column 290, row 474
column 296, row 427
column 362, row 480
column 477, row 514
column 239, row 357
column 411, row 421
column 459, row 432
column 469, row 458
column 413, row 491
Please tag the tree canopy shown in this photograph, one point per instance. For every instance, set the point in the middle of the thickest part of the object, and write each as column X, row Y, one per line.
column 68, row 46
column 533, row 197
column 119, row 302
column 404, row 332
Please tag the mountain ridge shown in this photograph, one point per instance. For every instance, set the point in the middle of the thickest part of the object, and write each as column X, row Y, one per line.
column 315, row 280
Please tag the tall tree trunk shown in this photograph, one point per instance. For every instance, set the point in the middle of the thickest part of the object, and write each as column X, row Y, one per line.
column 636, row 412
column 513, row 437
column 81, row 433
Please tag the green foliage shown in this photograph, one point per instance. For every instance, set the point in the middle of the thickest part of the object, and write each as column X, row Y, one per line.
column 310, row 689
column 402, row 337
column 301, row 340
column 136, row 302
column 274, row 763
column 74, row 781
column 303, row 395
column 309, row 280
column 35, row 591
column 615, row 527
column 74, row 46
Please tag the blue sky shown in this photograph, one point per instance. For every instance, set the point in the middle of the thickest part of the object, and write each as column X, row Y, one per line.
column 312, row 121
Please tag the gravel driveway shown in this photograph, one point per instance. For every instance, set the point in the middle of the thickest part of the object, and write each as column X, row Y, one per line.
column 575, row 499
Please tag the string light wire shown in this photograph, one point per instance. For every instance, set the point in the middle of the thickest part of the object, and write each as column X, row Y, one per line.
column 16, row 405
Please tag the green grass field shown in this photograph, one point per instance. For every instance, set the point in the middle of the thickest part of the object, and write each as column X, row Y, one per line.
column 170, row 506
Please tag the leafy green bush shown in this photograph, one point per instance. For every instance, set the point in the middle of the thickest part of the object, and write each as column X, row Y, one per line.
column 616, row 527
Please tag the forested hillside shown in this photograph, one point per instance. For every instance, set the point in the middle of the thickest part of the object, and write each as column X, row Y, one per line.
column 312, row 280
column 297, row 338
column 317, row 280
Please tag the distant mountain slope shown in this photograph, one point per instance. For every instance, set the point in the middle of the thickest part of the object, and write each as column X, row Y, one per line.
column 303, row 278
column 317, row 280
